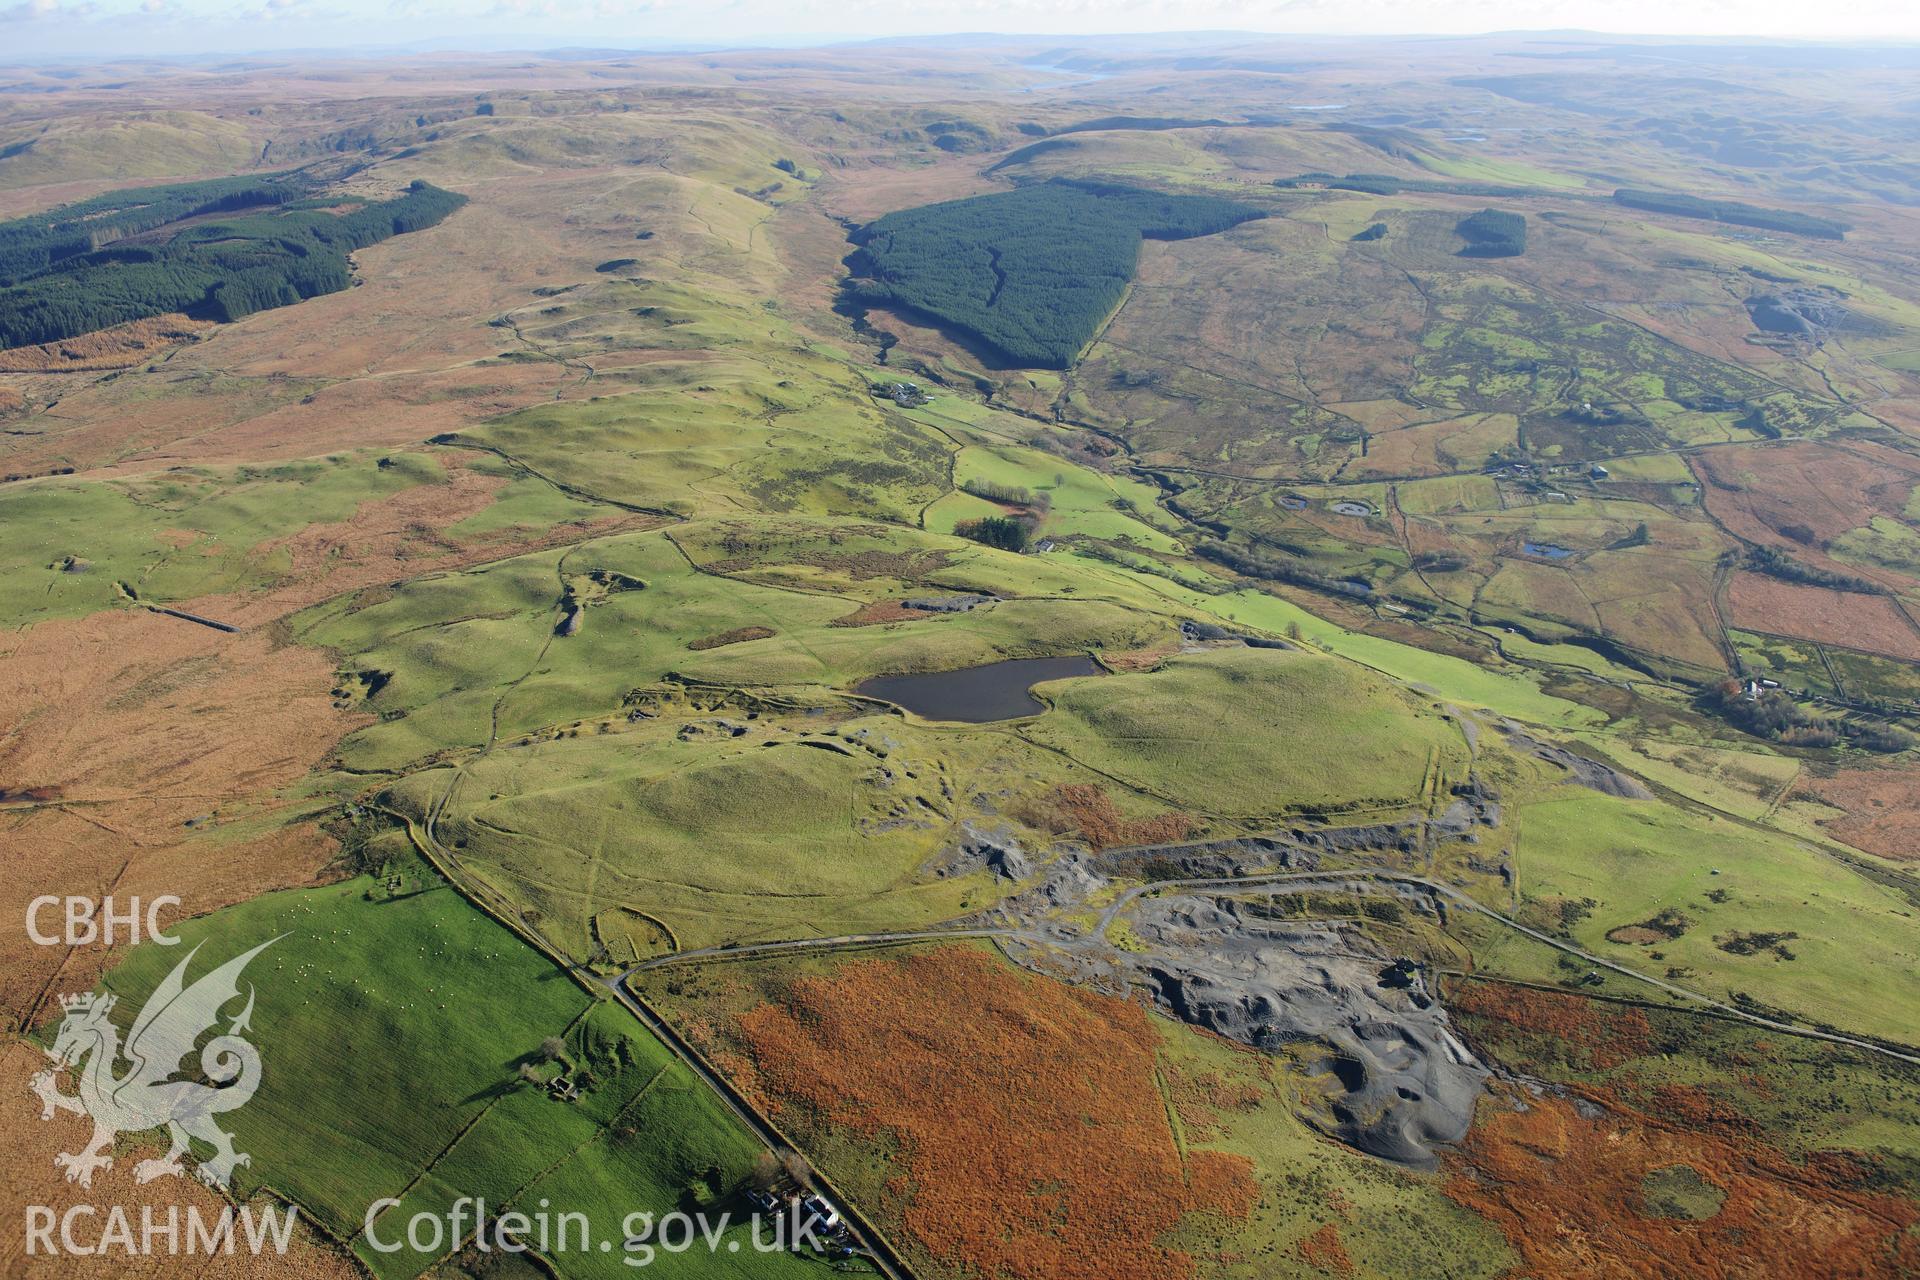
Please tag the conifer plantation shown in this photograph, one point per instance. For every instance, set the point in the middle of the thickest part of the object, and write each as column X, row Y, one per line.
column 1028, row 274
column 100, row 263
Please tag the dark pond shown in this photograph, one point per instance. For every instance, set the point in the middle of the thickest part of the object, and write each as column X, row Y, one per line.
column 997, row 691
column 1545, row 550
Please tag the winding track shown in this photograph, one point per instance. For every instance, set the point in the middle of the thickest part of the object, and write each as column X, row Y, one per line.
column 875, row 1248
column 1456, row 896
column 1274, row 880
column 840, row 942
column 878, row 1250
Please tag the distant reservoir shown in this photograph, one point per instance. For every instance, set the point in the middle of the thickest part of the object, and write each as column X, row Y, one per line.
column 997, row 691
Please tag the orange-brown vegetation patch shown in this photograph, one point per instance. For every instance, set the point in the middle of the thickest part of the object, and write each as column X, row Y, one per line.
column 1409, row 451
column 1324, row 1250
column 1032, row 1138
column 865, row 192
column 1203, row 1099
column 145, row 737
column 1721, row 333
column 1606, row 1035
column 211, row 420
column 1145, row 659
column 32, row 1179
column 1900, row 411
column 713, row 1042
column 1696, row 1110
column 1425, row 536
column 407, row 353
column 1881, row 808
column 1085, row 807
column 401, row 535
column 11, row 401
column 116, row 348
column 810, row 244
column 739, row 635
column 1820, row 488
column 1569, row 1192
column 1874, row 624
column 878, row 613
column 1103, row 828
column 141, row 724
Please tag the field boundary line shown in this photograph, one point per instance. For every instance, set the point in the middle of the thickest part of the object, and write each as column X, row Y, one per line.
column 882, row 1252
column 888, row 1259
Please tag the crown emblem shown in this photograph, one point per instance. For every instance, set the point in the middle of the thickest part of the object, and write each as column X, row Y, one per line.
column 145, row 1096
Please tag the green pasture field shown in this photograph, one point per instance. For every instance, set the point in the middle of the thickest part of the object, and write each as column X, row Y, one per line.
column 473, row 656
column 1651, row 468
column 781, row 830
column 1743, row 782
column 1249, row 732
column 1081, row 501
column 177, row 534
column 1796, row 664
column 1515, row 693
column 392, row 1019
column 1853, row 937
column 944, row 515
column 1446, row 494
column 706, row 434
column 1868, row 675
column 578, row 826
column 1478, row 168
column 1514, row 645
column 1886, row 544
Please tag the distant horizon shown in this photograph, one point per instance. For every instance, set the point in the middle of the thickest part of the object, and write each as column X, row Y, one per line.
column 103, row 31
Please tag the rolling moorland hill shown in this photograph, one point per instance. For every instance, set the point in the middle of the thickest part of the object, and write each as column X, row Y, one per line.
column 1430, row 788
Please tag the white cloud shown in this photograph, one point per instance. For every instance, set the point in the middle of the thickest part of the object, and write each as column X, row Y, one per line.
column 30, row 10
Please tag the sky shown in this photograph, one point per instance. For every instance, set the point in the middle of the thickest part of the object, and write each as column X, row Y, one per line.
column 40, row 29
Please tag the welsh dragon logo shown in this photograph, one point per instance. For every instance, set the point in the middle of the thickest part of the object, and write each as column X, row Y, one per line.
column 149, row 1094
